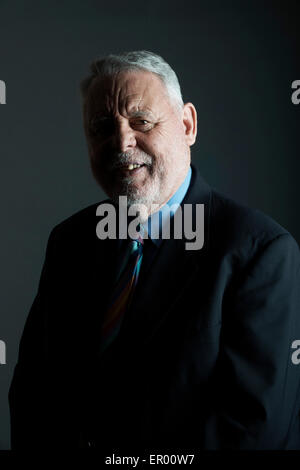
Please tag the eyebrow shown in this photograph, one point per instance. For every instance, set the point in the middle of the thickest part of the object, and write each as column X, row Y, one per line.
column 133, row 114
column 140, row 113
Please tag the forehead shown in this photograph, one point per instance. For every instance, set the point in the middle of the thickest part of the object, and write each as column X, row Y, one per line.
column 127, row 92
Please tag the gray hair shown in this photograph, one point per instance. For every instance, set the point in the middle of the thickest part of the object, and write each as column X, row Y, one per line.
column 112, row 64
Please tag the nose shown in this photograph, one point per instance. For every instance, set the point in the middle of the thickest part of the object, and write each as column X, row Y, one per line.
column 124, row 136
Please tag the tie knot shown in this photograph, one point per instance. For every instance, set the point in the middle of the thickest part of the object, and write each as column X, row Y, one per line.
column 140, row 234
column 140, row 239
column 137, row 245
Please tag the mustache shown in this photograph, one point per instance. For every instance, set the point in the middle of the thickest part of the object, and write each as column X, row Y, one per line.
column 120, row 159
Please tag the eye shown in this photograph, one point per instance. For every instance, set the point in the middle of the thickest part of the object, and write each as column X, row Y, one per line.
column 142, row 124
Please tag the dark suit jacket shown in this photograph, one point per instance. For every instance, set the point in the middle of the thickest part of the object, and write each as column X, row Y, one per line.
column 204, row 357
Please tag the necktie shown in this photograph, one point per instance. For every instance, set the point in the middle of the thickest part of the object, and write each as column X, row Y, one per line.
column 122, row 293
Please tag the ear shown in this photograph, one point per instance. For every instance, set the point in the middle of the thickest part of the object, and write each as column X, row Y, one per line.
column 189, row 119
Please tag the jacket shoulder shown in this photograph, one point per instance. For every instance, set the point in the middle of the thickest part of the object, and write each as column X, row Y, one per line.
column 237, row 225
column 78, row 225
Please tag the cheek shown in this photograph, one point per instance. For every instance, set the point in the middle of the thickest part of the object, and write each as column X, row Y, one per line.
column 170, row 137
column 157, row 144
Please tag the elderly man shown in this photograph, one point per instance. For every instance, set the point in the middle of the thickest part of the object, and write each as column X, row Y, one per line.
column 139, row 340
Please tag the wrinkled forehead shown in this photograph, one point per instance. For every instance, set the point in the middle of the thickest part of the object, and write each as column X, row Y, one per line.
column 126, row 91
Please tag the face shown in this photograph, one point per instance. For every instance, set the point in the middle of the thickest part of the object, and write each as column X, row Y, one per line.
column 139, row 142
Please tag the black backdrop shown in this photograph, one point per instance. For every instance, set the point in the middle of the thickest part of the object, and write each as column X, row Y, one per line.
column 236, row 61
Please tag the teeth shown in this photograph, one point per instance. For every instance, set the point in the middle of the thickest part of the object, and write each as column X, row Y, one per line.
column 132, row 166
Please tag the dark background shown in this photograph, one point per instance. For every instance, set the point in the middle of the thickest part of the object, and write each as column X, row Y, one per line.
column 235, row 61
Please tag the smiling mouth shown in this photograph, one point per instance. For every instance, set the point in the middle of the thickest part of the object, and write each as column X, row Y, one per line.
column 130, row 169
column 131, row 166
